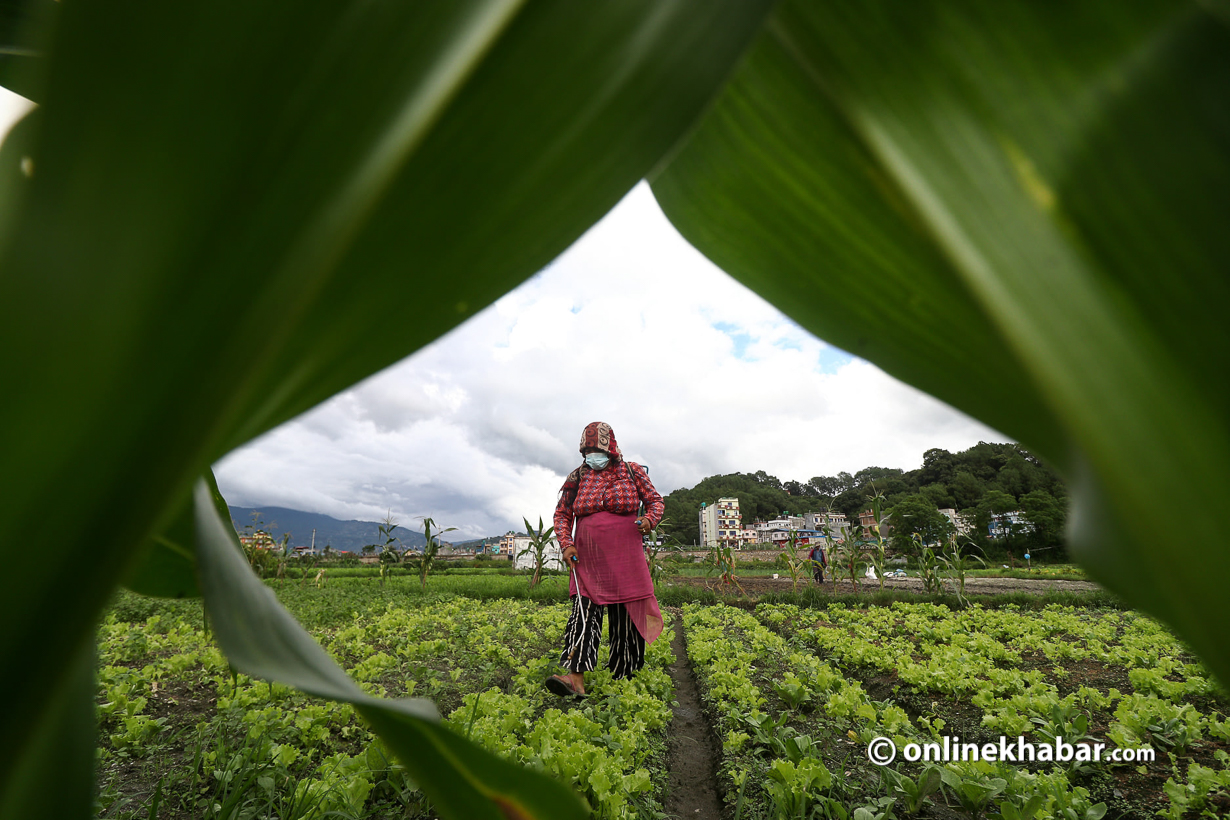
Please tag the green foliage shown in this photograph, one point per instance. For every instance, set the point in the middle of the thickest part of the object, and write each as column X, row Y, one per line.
column 849, row 557
column 659, row 547
column 367, row 182
column 910, row 792
column 539, row 540
column 776, row 700
column 956, row 563
column 795, row 787
column 973, row 793
column 955, row 479
column 431, row 546
column 794, row 564
column 917, row 515
column 877, row 554
column 929, row 566
column 722, row 563
column 389, row 556
column 1013, row 207
column 269, row 751
column 1005, row 246
column 1203, row 784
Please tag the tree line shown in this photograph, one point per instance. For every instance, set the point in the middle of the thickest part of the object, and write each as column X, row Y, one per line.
column 983, row 481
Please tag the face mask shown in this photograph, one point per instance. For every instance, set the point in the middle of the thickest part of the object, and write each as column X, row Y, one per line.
column 597, row 461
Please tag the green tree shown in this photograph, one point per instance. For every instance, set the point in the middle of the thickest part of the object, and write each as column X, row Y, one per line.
column 917, row 515
column 966, row 490
column 828, row 486
column 939, row 495
column 938, row 467
column 1047, row 515
column 993, row 503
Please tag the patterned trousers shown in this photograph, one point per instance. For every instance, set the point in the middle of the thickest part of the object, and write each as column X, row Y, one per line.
column 584, row 632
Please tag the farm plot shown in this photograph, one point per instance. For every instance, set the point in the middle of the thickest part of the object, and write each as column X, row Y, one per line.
column 181, row 736
column 799, row 694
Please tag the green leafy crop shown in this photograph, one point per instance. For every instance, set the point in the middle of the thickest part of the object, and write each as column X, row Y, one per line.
column 1017, row 207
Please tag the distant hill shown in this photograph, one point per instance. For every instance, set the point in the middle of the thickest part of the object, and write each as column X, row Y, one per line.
column 341, row 535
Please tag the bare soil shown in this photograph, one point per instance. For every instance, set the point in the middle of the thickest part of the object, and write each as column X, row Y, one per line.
column 692, row 751
column 973, row 586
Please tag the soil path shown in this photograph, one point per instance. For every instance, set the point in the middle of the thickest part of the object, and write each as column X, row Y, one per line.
column 692, row 755
column 976, row 586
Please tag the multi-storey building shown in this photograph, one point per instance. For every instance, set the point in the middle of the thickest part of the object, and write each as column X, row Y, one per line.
column 785, row 524
column 721, row 524
column 867, row 520
column 511, row 544
column 834, row 523
column 958, row 520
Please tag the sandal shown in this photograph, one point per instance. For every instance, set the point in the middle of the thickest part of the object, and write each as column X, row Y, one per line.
column 563, row 687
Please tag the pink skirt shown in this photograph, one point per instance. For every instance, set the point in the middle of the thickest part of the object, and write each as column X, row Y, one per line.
column 611, row 568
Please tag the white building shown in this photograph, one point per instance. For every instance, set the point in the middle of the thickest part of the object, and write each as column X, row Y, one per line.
column 765, row 529
column 802, row 538
column 834, row 523
column 552, row 556
column 959, row 520
column 721, row 524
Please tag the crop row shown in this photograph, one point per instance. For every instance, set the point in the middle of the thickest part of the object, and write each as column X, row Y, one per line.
column 790, row 690
column 184, row 737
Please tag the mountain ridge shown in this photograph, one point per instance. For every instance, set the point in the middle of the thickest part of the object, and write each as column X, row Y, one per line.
column 351, row 535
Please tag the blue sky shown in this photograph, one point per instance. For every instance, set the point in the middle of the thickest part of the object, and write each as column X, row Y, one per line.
column 829, row 359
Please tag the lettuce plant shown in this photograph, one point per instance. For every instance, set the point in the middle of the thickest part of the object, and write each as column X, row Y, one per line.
column 1013, row 206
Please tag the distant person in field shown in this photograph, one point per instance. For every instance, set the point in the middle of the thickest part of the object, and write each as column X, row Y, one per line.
column 818, row 562
column 609, row 572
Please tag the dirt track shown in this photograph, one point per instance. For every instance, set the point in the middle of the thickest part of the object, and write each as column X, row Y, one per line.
column 973, row 586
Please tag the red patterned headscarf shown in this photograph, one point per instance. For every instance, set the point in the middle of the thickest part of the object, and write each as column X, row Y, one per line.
column 599, row 434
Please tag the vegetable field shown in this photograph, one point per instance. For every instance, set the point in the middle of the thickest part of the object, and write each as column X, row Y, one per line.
column 798, row 694
column 181, row 736
column 793, row 694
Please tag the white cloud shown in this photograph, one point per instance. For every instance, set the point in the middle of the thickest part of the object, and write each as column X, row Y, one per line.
column 632, row 326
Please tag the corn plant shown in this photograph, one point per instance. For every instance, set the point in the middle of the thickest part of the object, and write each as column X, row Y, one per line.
column 956, row 565
column 794, row 565
column 656, row 544
column 722, row 562
column 430, row 548
column 929, row 566
column 1028, row 233
column 877, row 552
column 540, row 539
column 389, row 557
column 851, row 557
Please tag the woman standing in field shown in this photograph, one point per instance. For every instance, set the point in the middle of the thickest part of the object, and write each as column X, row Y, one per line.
column 609, row 571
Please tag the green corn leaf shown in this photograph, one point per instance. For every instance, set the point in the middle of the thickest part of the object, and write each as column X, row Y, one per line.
column 166, row 566
column 1019, row 208
column 26, row 27
column 218, row 197
column 262, row 639
column 55, row 776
